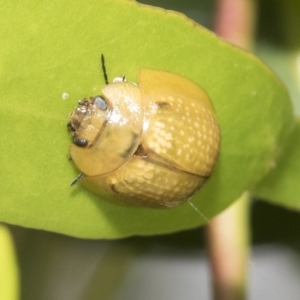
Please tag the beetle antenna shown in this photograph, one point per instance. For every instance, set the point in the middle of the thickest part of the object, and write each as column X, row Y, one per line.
column 79, row 177
column 104, row 69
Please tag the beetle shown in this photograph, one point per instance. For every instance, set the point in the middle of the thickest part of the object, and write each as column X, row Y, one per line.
column 152, row 145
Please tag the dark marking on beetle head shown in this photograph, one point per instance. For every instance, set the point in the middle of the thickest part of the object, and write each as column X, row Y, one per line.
column 73, row 126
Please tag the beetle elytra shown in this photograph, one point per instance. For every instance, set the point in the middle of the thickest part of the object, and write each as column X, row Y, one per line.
column 153, row 144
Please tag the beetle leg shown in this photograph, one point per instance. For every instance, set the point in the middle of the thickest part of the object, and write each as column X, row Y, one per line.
column 79, row 177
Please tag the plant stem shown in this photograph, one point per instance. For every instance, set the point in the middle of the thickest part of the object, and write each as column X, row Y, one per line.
column 228, row 233
column 9, row 269
column 235, row 21
column 228, row 238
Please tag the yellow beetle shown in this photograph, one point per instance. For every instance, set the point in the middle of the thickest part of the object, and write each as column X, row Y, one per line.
column 153, row 145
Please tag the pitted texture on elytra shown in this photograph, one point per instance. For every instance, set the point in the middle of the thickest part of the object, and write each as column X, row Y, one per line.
column 146, row 183
column 189, row 139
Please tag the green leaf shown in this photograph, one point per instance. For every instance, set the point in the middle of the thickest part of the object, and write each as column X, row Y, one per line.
column 51, row 48
column 9, row 275
column 281, row 186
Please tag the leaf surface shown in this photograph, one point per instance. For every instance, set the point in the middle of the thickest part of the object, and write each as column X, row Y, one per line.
column 53, row 48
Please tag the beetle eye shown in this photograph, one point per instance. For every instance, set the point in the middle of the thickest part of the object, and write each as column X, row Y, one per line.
column 100, row 102
column 80, row 142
